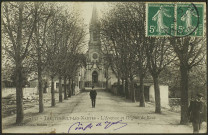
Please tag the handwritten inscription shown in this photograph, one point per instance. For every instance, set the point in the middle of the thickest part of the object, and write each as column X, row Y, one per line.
column 107, row 124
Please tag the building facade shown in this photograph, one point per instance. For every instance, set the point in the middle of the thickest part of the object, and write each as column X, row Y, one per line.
column 95, row 73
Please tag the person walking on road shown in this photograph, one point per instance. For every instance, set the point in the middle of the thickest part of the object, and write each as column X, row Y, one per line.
column 196, row 112
column 93, row 95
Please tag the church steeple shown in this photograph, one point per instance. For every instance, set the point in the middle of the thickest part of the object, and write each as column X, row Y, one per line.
column 94, row 28
column 94, row 16
column 95, row 73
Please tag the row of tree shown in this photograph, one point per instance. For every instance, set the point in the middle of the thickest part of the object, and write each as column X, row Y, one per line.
column 45, row 38
column 130, row 53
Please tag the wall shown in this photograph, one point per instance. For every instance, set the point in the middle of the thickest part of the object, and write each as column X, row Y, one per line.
column 26, row 91
column 163, row 95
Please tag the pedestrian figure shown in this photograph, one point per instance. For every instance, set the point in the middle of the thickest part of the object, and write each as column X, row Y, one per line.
column 196, row 112
column 93, row 95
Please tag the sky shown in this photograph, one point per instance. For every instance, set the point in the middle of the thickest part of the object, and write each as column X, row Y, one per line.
column 85, row 10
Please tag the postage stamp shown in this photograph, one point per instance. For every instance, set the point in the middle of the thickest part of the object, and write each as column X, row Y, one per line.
column 160, row 19
column 190, row 19
column 174, row 19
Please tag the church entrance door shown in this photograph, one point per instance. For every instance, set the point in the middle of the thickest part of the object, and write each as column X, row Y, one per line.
column 94, row 77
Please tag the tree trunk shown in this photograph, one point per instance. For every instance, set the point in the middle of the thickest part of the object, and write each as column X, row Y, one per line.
column 39, row 64
column 72, row 88
column 65, row 94
column 132, row 90
column 106, row 83
column 52, row 93
column 157, row 95
column 126, row 88
column 118, row 86
column 41, row 108
column 45, row 87
column 142, row 98
column 123, row 87
column 129, row 90
column 60, row 90
column 19, row 94
column 184, row 94
column 19, row 75
column 69, row 88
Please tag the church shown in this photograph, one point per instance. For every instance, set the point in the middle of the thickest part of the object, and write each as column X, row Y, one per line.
column 95, row 74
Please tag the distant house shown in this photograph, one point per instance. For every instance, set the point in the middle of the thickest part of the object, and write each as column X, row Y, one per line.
column 7, row 84
column 33, row 83
column 149, row 92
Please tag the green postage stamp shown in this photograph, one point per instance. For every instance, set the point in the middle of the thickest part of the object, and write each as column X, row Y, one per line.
column 174, row 19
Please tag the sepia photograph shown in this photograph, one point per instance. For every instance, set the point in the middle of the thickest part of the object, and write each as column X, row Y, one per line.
column 103, row 67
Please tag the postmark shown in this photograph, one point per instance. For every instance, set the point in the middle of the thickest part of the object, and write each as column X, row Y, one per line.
column 174, row 19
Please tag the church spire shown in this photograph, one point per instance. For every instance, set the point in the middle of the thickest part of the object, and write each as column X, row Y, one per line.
column 94, row 15
column 94, row 28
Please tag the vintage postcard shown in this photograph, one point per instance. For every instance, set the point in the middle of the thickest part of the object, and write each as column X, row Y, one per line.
column 103, row 67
